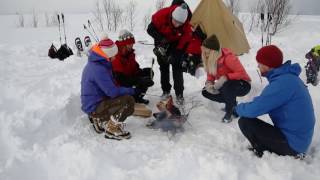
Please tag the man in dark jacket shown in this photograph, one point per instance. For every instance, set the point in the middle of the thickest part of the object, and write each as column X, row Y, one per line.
column 167, row 26
column 127, row 71
column 107, row 104
column 288, row 103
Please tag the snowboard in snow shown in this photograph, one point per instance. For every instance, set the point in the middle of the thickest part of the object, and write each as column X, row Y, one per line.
column 141, row 110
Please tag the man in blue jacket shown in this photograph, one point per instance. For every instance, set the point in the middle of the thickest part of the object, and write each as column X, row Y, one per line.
column 107, row 104
column 288, row 103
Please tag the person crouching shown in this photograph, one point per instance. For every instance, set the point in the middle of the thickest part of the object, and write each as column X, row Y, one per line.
column 106, row 104
column 226, row 77
column 127, row 71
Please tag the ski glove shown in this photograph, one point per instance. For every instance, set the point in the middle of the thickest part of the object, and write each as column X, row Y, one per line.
column 137, row 91
column 160, row 51
column 209, row 87
column 219, row 83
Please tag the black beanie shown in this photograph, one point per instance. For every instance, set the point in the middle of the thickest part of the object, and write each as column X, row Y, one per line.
column 212, row 42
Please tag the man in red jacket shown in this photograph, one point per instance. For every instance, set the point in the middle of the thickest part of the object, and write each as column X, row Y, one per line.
column 127, row 71
column 167, row 27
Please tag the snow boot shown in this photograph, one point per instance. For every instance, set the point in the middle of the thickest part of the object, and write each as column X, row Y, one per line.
column 97, row 124
column 142, row 101
column 180, row 99
column 165, row 95
column 227, row 118
column 115, row 130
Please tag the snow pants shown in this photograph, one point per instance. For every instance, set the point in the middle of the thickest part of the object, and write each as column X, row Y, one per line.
column 120, row 108
column 265, row 137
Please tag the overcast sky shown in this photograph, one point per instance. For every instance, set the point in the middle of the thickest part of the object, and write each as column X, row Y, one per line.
column 12, row 6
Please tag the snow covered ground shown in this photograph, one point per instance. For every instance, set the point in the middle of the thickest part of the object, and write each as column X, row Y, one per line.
column 44, row 134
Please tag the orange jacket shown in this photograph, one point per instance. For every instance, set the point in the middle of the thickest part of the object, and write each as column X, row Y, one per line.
column 229, row 66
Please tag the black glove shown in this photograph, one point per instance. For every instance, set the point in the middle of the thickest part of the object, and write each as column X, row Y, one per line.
column 194, row 62
column 160, row 51
column 137, row 92
column 185, row 62
column 145, row 81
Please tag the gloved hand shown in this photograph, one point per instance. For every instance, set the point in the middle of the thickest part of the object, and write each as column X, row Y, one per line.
column 137, row 92
column 194, row 62
column 163, row 41
column 219, row 83
column 145, row 81
column 185, row 63
column 160, row 51
column 209, row 87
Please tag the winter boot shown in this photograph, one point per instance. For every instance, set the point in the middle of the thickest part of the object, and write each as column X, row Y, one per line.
column 115, row 130
column 257, row 153
column 142, row 101
column 180, row 99
column 227, row 118
column 165, row 95
column 98, row 124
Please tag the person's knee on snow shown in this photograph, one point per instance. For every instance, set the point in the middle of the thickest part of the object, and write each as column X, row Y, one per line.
column 286, row 100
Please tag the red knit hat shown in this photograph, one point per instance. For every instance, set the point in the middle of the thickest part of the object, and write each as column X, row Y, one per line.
column 270, row 56
column 125, row 38
column 108, row 47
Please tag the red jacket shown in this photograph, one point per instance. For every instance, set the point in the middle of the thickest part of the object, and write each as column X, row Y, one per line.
column 229, row 66
column 162, row 22
column 127, row 65
column 190, row 43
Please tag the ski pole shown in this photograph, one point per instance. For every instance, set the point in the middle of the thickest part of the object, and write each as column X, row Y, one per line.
column 259, row 76
column 64, row 28
column 262, row 27
column 150, row 95
column 151, row 71
column 59, row 28
column 145, row 43
column 85, row 27
column 90, row 26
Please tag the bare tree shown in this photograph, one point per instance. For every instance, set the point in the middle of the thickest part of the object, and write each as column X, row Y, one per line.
column 278, row 13
column 35, row 19
column 130, row 13
column 21, row 20
column 116, row 16
column 54, row 19
column 146, row 19
column 47, row 19
column 98, row 15
column 233, row 5
column 160, row 4
column 107, row 7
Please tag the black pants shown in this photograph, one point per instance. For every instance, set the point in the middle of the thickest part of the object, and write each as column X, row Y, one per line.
column 265, row 137
column 165, row 75
column 228, row 93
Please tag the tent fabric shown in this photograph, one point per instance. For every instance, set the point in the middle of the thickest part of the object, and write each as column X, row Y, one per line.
column 215, row 18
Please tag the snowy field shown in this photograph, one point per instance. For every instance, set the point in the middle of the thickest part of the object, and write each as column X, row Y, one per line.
column 44, row 134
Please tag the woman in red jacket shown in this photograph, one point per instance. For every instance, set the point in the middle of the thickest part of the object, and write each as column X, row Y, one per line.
column 126, row 70
column 226, row 77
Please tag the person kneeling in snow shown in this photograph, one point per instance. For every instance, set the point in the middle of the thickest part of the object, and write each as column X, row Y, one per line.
column 126, row 70
column 226, row 77
column 107, row 104
column 313, row 65
column 287, row 101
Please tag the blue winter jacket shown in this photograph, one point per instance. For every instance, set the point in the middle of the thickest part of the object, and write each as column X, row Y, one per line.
column 98, row 83
column 288, row 103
